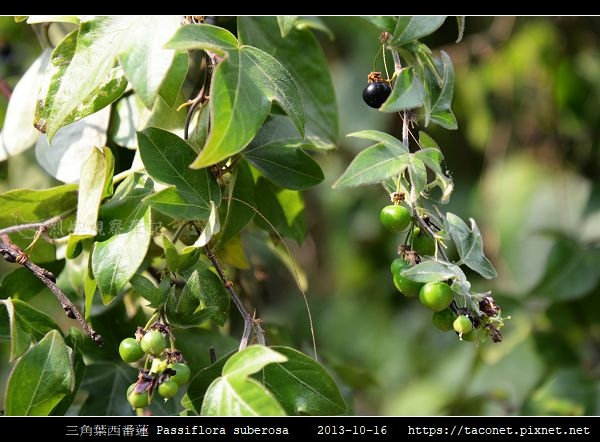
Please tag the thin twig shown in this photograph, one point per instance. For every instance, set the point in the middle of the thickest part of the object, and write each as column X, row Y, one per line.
column 12, row 253
column 423, row 225
column 249, row 321
column 202, row 96
column 44, row 225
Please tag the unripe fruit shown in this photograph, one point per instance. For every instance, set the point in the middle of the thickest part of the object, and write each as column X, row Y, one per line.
column 168, row 389
column 462, row 325
column 422, row 243
column 444, row 320
column 403, row 284
column 182, row 373
column 436, row 295
column 395, row 218
column 138, row 400
column 153, row 343
column 130, row 350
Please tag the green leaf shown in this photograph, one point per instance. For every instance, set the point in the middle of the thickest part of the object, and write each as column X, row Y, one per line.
column 408, row 92
column 432, row 158
column 171, row 85
column 240, row 203
column 234, row 394
column 285, row 163
column 145, row 288
column 95, row 184
column 27, row 325
column 202, row 298
column 203, row 378
column 166, row 158
column 211, row 228
column 107, row 91
column 209, row 37
column 417, row 176
column 126, row 199
column 244, row 84
column 250, row 361
column 286, row 23
column 571, row 271
column 374, row 165
column 382, row 22
column 144, row 58
column 381, row 137
column 300, row 53
column 18, row 133
column 283, row 208
column 313, row 22
column 75, row 342
column 116, row 260
column 106, row 384
column 469, row 245
column 99, row 41
column 21, row 206
column 303, row 386
column 409, row 28
column 433, row 271
column 438, row 99
column 40, row 379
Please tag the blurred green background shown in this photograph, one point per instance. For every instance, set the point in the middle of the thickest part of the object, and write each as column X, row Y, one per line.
column 525, row 161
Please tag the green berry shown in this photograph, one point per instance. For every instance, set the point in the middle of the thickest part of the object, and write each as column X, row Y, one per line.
column 404, row 285
column 422, row 243
column 153, row 343
column 471, row 336
column 462, row 325
column 444, row 320
column 168, row 389
column 138, row 400
column 395, row 218
column 130, row 350
column 182, row 373
column 436, row 295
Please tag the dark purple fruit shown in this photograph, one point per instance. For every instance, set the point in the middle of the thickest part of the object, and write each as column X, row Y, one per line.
column 376, row 93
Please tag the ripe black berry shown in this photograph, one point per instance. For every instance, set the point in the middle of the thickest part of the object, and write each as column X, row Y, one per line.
column 376, row 93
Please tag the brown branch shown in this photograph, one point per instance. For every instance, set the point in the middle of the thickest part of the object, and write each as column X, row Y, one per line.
column 45, row 225
column 250, row 322
column 14, row 254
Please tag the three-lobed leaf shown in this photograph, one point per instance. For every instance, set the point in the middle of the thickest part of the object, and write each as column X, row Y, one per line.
column 302, row 385
column 235, row 394
column 243, row 86
column 300, row 53
column 408, row 92
column 469, row 245
column 167, row 158
column 100, row 40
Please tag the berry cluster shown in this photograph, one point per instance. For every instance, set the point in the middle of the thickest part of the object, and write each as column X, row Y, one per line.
column 470, row 324
column 164, row 368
